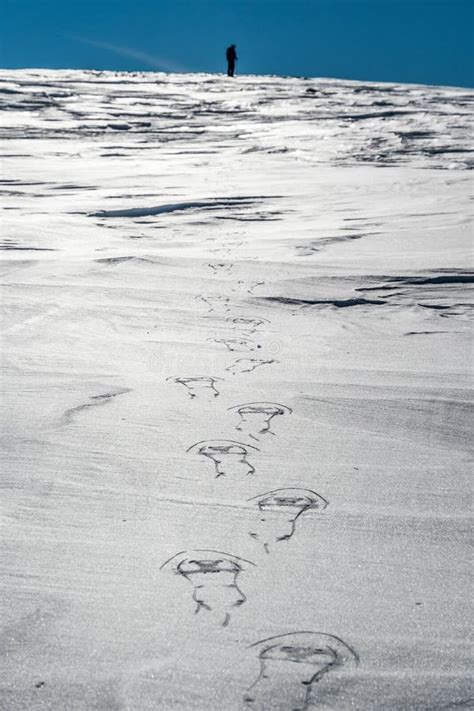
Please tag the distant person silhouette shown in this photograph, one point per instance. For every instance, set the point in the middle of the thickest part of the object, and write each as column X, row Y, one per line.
column 231, row 56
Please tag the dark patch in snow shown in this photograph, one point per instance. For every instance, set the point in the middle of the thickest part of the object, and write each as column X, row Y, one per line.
column 120, row 260
column 212, row 204
column 339, row 303
column 455, row 278
column 96, row 400
column 423, row 333
column 305, row 250
column 17, row 248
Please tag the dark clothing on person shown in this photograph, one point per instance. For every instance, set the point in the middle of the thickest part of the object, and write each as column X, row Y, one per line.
column 231, row 56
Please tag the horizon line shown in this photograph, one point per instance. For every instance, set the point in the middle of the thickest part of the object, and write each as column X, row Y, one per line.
column 303, row 77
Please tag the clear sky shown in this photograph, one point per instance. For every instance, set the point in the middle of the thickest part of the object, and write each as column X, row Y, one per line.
column 420, row 41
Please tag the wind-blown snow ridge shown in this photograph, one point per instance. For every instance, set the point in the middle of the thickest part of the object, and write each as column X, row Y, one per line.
column 338, row 303
column 213, row 204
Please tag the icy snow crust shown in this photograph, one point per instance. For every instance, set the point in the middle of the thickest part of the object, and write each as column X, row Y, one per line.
column 236, row 389
column 320, row 121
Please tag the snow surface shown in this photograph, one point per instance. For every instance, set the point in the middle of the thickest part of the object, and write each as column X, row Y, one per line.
column 224, row 300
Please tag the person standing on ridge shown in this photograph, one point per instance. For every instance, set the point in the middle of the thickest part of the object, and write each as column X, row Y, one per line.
column 231, row 56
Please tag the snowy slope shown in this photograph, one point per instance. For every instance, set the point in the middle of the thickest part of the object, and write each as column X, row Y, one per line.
column 236, row 364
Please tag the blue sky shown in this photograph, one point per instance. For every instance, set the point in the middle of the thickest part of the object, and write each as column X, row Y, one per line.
column 421, row 41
